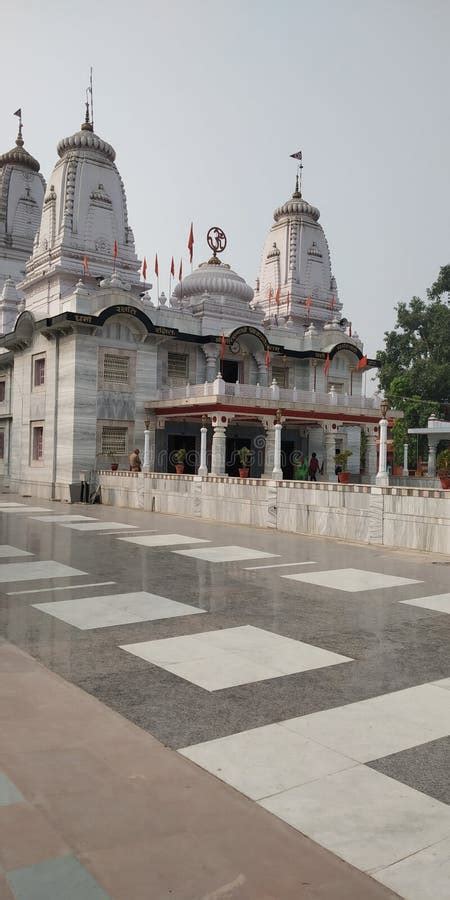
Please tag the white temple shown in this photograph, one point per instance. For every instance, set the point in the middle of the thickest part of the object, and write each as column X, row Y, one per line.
column 86, row 359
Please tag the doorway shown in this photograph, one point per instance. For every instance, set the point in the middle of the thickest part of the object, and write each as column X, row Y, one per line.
column 230, row 370
column 287, row 454
column 177, row 442
column 232, row 464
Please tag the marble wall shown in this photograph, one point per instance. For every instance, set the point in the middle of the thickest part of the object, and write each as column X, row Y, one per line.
column 391, row 517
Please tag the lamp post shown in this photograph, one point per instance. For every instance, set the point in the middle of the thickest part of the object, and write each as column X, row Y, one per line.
column 203, row 468
column 382, row 479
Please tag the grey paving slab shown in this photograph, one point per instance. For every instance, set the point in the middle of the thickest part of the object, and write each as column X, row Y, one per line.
column 425, row 768
column 63, row 878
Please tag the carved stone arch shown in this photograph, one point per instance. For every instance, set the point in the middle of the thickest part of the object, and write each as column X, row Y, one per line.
column 132, row 318
column 252, row 337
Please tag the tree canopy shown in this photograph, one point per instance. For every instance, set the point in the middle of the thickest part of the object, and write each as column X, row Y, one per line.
column 415, row 363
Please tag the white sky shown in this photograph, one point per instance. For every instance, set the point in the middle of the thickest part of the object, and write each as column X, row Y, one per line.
column 204, row 102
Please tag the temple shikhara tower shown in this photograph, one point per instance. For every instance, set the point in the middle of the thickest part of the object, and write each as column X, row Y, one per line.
column 91, row 357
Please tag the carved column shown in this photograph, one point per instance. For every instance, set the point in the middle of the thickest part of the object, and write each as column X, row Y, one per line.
column 263, row 373
column 330, row 453
column 219, row 445
column 149, row 444
column 382, row 478
column 203, row 468
column 432, row 447
column 277, row 471
column 269, row 448
column 371, row 452
column 211, row 352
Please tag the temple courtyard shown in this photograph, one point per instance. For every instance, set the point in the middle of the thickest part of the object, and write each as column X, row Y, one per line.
column 199, row 711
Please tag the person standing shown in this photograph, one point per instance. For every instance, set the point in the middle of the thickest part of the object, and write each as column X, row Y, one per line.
column 313, row 467
column 135, row 461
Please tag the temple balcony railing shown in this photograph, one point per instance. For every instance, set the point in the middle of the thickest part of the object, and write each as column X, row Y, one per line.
column 272, row 394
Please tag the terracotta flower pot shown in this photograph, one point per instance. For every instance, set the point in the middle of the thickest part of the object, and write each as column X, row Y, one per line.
column 179, row 468
column 445, row 481
column 243, row 473
column 344, row 477
column 114, row 467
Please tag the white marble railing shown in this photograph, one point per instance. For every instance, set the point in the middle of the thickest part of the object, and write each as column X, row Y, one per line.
column 312, row 399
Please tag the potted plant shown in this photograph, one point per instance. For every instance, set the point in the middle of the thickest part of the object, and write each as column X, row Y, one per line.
column 178, row 460
column 244, row 455
column 443, row 467
column 114, row 461
column 341, row 464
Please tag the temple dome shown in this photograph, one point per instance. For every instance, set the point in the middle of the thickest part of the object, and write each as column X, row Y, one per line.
column 86, row 139
column 213, row 279
column 296, row 206
column 18, row 156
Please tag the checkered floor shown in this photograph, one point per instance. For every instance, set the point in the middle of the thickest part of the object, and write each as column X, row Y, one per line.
column 317, row 685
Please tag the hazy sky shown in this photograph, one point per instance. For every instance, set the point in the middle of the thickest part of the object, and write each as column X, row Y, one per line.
column 205, row 101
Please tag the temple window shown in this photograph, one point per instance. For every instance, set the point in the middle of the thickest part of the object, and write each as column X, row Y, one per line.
column 114, row 441
column 177, row 368
column 115, row 368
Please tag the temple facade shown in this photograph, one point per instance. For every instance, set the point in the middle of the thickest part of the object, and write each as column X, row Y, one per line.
column 90, row 358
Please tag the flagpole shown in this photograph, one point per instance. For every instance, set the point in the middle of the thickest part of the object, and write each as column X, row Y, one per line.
column 157, row 286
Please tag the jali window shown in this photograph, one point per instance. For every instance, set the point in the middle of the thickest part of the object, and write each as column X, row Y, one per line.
column 115, row 368
column 114, row 440
column 281, row 375
column 39, row 371
column 177, row 367
column 38, row 442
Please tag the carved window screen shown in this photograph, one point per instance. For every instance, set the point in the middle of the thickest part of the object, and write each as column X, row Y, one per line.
column 115, row 368
column 177, row 368
column 2, row 444
column 38, row 442
column 2, row 391
column 114, row 440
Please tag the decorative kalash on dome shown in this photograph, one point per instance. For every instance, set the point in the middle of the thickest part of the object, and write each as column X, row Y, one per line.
column 296, row 280
column 214, row 291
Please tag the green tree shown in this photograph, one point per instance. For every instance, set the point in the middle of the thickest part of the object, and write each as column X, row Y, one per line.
column 415, row 364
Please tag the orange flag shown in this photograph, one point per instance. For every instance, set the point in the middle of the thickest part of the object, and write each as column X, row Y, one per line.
column 332, row 303
column 362, row 363
column 191, row 243
column 85, row 266
column 144, row 268
column 180, row 272
column 156, row 266
column 172, row 267
column 326, row 367
column 277, row 296
column 116, row 250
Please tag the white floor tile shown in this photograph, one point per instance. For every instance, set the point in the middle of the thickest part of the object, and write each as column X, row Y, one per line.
column 225, row 554
column 265, row 761
column 443, row 683
column 31, row 571
column 11, row 505
column 98, row 526
column 23, row 509
column 439, row 602
column 221, row 659
column 352, row 580
column 7, row 550
column 364, row 817
column 163, row 540
column 62, row 519
column 423, row 876
column 374, row 728
column 116, row 609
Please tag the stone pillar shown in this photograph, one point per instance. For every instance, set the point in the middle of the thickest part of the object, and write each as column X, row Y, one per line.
column 263, row 372
column 382, row 479
column 432, row 447
column 371, row 454
column 149, row 445
column 405, row 460
column 218, row 446
column 203, row 468
column 211, row 352
column 269, row 450
column 330, row 455
column 277, row 471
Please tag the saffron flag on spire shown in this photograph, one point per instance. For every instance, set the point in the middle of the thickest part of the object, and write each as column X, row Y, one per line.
column 308, row 304
column 85, row 266
column 156, row 265
column 18, row 113
column 297, row 155
column 362, row 363
column 191, row 243
column 277, row 296
column 180, row 271
column 172, row 267
column 115, row 250
column 144, row 268
column 326, row 367
column 332, row 303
